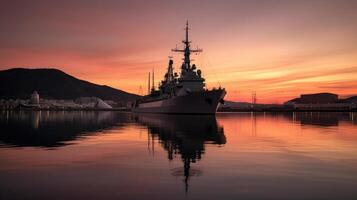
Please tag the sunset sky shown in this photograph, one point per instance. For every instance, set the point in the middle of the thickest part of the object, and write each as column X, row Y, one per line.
column 279, row 49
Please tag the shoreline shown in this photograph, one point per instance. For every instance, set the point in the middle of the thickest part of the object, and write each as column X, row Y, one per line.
column 286, row 110
column 219, row 111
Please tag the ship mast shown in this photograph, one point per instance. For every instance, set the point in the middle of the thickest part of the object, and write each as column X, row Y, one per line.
column 153, row 79
column 149, row 84
column 187, row 51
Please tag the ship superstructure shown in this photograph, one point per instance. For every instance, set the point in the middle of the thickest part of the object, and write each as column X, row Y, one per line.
column 181, row 94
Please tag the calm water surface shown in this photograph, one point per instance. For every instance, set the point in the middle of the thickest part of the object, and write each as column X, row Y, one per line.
column 113, row 155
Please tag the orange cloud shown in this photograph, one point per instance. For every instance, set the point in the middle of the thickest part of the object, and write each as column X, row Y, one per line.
column 278, row 50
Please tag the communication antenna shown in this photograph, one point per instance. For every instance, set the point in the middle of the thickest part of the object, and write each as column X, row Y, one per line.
column 149, row 84
column 153, row 79
column 187, row 48
column 254, row 98
column 140, row 90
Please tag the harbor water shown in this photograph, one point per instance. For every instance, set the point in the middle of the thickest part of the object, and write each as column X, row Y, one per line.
column 116, row 155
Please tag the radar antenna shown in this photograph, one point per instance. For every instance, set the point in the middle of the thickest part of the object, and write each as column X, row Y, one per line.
column 187, row 51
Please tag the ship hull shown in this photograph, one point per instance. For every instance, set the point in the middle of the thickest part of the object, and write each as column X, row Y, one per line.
column 204, row 102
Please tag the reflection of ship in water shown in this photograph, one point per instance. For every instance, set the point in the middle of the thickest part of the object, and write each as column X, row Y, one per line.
column 184, row 135
column 50, row 129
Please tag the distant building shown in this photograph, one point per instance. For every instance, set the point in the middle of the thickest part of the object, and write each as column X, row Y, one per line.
column 93, row 102
column 319, row 101
column 102, row 105
column 35, row 98
column 318, row 98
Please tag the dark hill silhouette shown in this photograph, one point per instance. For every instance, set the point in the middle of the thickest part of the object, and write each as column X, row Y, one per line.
column 19, row 83
column 352, row 99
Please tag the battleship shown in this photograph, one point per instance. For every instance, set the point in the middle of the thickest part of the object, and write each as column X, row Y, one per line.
column 181, row 94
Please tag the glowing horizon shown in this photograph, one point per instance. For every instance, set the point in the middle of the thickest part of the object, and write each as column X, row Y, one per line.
column 277, row 49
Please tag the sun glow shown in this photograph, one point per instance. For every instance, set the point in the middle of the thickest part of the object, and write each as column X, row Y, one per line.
column 277, row 50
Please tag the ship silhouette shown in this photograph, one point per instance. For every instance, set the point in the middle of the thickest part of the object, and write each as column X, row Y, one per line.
column 181, row 94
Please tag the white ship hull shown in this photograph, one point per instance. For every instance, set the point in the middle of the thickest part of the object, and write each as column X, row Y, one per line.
column 204, row 102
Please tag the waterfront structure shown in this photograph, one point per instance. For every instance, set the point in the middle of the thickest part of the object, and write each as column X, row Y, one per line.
column 319, row 101
column 35, row 98
column 102, row 105
column 184, row 94
column 318, row 98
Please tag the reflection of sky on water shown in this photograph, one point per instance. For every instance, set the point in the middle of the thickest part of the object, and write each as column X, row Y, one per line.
column 240, row 155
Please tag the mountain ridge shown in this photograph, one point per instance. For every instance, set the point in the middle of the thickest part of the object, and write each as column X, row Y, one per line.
column 52, row 83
